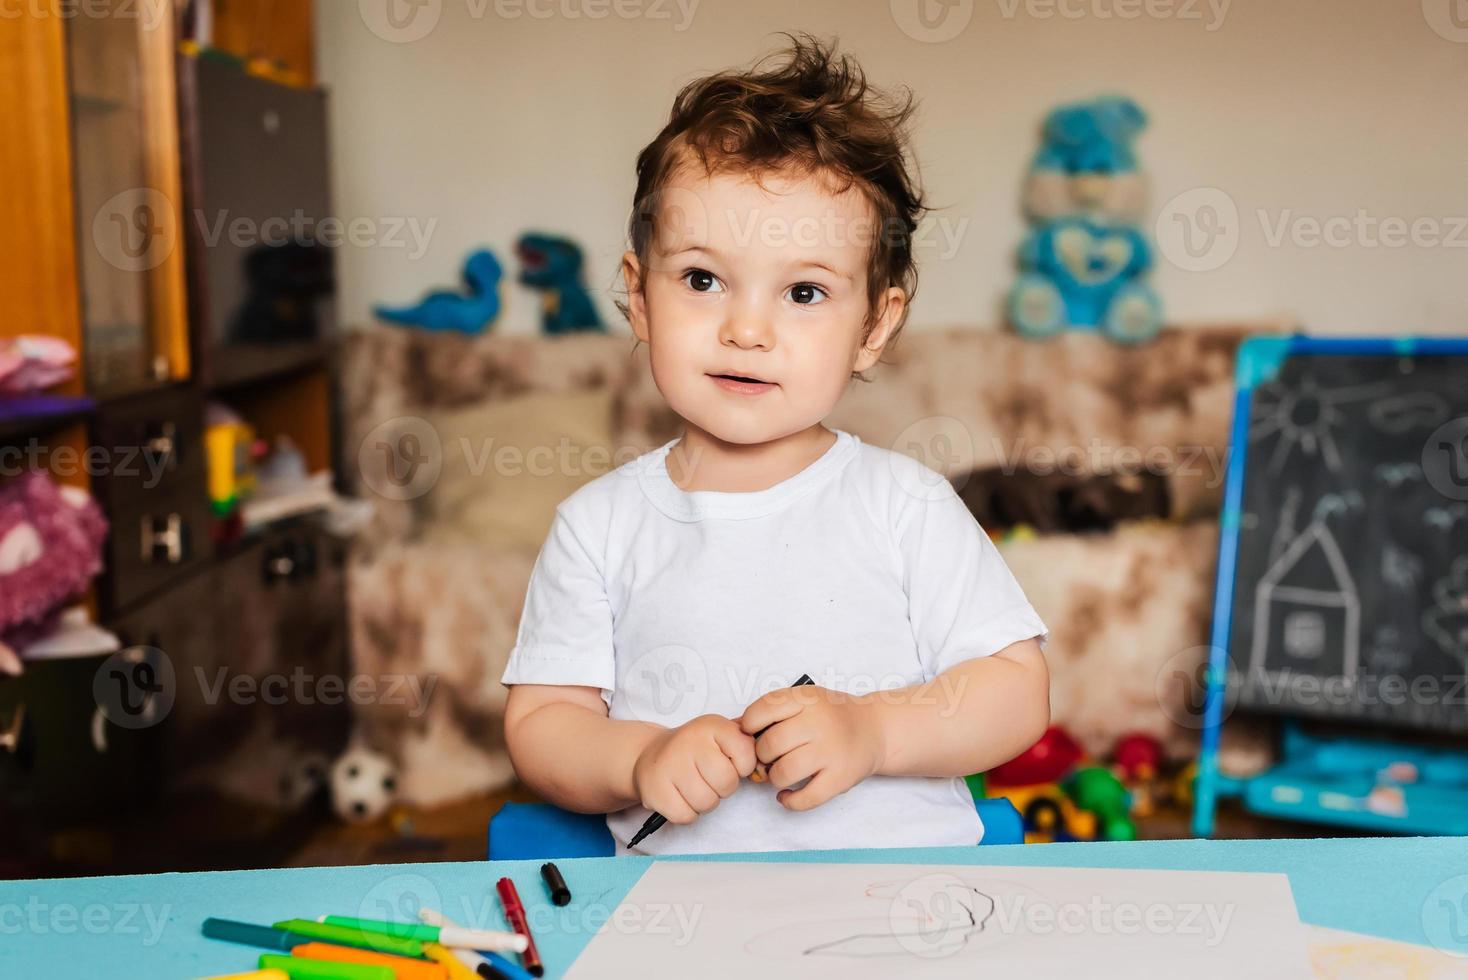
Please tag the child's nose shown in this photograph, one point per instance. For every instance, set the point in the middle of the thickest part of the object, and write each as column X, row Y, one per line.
column 748, row 328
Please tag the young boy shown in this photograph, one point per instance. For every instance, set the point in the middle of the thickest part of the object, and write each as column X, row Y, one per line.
column 678, row 597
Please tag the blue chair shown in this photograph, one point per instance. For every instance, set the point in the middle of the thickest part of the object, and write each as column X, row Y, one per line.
column 544, row 832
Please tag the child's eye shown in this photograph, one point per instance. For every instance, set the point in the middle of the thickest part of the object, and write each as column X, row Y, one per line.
column 702, row 281
column 807, row 294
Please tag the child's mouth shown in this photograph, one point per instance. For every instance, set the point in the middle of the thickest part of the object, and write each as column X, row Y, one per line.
column 741, row 384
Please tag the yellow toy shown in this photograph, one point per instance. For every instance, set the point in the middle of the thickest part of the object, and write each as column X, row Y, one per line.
column 231, row 476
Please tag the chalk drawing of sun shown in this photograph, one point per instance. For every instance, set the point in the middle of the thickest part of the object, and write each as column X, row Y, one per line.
column 1304, row 416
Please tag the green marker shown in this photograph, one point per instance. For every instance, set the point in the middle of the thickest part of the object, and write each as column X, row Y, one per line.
column 299, row 968
column 346, row 936
column 450, row 936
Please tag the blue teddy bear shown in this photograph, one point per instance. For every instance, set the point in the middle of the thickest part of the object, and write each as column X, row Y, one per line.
column 1084, row 260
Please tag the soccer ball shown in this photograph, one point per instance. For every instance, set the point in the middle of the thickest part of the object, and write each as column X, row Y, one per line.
column 363, row 785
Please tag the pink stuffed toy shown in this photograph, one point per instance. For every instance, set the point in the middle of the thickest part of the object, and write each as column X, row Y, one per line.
column 50, row 548
column 32, row 362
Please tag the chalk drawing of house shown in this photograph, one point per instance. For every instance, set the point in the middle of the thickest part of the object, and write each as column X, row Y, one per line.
column 1307, row 612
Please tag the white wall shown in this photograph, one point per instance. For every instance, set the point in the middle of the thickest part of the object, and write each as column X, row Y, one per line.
column 499, row 120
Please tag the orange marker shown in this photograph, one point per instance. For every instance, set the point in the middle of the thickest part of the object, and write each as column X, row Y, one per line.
column 405, row 967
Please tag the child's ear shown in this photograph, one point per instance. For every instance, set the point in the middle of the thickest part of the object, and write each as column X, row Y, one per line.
column 636, row 297
column 890, row 305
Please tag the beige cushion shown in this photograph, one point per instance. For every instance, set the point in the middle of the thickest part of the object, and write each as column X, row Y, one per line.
column 507, row 464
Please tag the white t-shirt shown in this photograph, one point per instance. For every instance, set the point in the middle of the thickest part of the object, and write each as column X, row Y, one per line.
column 864, row 570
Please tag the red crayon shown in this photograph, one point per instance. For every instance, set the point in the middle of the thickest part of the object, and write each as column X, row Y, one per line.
column 515, row 916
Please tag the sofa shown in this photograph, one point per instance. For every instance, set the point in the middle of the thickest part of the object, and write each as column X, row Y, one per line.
column 465, row 444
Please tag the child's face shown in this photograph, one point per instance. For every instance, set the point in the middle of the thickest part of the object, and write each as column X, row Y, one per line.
column 764, row 282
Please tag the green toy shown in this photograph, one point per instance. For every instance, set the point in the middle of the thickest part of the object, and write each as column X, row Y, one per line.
column 1097, row 790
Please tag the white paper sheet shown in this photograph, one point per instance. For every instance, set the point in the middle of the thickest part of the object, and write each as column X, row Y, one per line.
column 770, row 921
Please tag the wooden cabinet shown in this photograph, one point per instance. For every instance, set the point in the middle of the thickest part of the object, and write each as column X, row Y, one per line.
column 94, row 249
column 128, row 208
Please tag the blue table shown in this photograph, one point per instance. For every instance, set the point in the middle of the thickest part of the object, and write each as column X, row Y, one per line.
column 1410, row 889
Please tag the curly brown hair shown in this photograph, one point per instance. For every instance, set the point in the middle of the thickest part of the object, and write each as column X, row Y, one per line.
column 812, row 113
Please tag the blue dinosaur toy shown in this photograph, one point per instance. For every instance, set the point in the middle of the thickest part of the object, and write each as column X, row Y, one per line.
column 1084, row 262
column 470, row 312
column 552, row 265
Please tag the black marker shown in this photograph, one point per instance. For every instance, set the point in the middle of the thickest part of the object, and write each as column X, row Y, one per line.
column 559, row 893
column 655, row 822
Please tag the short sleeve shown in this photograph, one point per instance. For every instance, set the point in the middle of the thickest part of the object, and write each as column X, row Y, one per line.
column 565, row 633
column 962, row 598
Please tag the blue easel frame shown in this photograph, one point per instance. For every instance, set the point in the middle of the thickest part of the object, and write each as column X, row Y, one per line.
column 1259, row 361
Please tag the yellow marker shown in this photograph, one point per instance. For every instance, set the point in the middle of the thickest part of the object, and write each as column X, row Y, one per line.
column 252, row 975
column 442, row 956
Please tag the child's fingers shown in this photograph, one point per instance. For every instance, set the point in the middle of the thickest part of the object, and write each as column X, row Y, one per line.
column 773, row 707
column 738, row 748
column 671, row 804
column 696, row 790
column 820, row 789
column 792, row 767
column 783, row 737
column 718, row 772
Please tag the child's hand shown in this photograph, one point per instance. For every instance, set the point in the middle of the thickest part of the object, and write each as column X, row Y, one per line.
column 686, row 771
column 814, row 732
